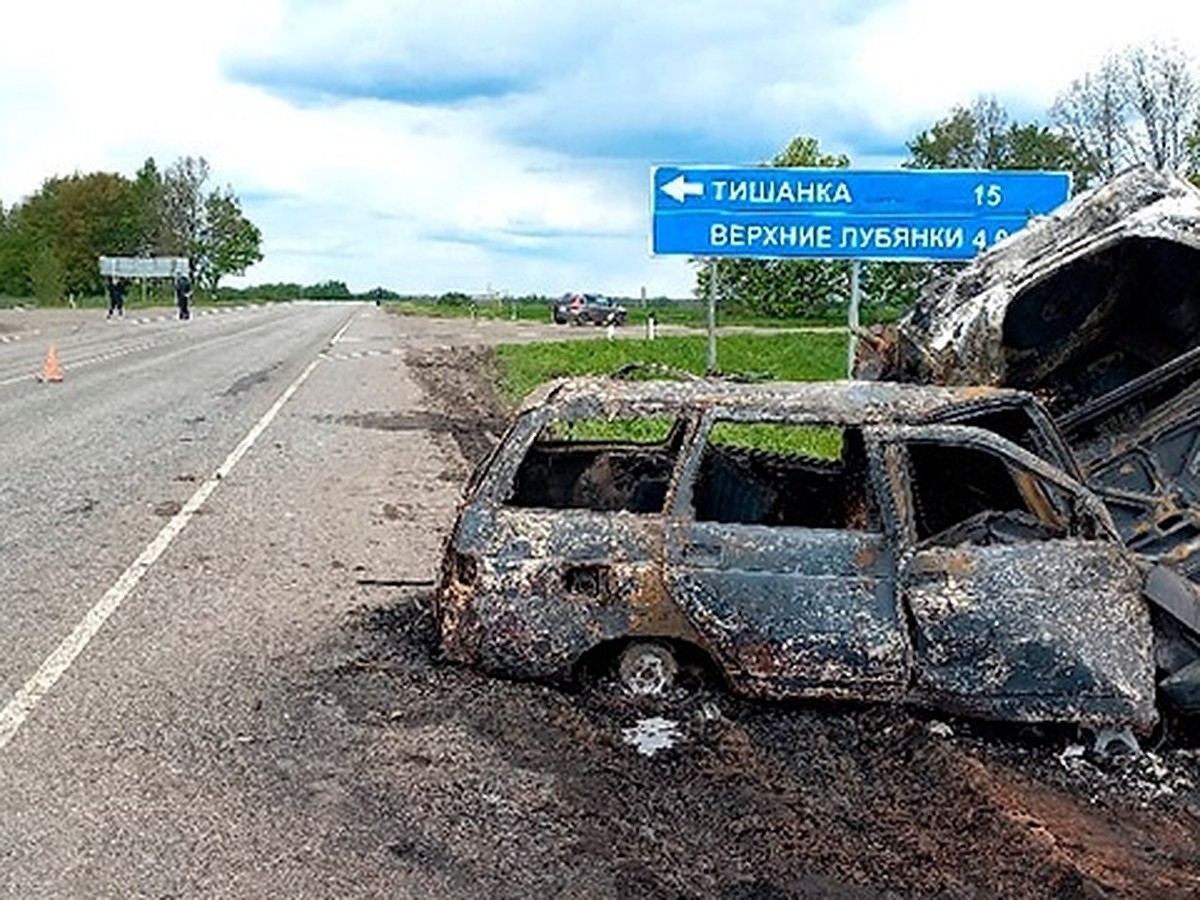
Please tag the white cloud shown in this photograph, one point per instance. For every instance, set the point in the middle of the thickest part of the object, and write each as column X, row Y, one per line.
column 446, row 146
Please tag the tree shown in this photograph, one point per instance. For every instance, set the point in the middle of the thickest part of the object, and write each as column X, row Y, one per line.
column 1163, row 96
column 781, row 287
column 230, row 243
column 209, row 229
column 968, row 139
column 985, row 137
column 1139, row 106
column 327, row 290
column 48, row 276
column 14, row 272
column 148, row 192
column 80, row 218
column 182, row 210
column 1192, row 146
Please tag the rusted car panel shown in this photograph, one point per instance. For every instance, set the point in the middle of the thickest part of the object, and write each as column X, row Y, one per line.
column 1020, row 605
column 861, row 550
column 991, row 635
column 792, row 612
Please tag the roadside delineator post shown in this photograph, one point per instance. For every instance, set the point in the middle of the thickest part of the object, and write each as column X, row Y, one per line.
column 51, row 370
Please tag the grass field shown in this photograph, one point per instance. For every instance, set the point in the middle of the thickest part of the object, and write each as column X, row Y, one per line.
column 693, row 314
column 788, row 356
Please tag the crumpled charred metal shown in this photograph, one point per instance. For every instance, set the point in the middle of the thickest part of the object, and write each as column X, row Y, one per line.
column 1096, row 309
column 851, row 540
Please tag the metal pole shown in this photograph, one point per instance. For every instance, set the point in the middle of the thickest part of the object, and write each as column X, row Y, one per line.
column 852, row 316
column 712, row 317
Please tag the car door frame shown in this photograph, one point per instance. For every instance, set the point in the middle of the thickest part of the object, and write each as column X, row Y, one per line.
column 1051, row 629
column 740, row 585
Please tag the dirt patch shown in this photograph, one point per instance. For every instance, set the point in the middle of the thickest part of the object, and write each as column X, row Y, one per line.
column 463, row 384
column 486, row 787
column 496, row 788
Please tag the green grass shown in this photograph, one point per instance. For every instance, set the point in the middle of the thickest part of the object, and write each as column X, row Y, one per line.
column 820, row 441
column 524, row 311
column 691, row 314
column 648, row 430
column 790, row 356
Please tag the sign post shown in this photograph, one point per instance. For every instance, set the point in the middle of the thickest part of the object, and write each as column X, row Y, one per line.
column 711, row 368
column 915, row 215
column 852, row 316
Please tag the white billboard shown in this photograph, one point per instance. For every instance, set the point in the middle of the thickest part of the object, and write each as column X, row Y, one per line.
column 143, row 266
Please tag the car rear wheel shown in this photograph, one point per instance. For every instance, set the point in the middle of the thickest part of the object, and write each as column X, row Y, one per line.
column 647, row 669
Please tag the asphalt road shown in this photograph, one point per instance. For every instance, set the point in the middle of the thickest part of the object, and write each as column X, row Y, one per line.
column 149, row 609
column 218, row 678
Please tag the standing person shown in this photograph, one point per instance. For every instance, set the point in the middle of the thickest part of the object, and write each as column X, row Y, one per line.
column 116, row 296
column 183, row 293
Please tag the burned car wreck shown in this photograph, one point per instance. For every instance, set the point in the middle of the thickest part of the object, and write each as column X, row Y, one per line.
column 1096, row 309
column 850, row 540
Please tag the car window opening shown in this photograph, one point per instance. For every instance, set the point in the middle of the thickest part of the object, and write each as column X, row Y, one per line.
column 603, row 465
column 967, row 494
column 806, row 476
column 1014, row 424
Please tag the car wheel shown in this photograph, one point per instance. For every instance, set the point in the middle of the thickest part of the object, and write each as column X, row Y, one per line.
column 647, row 669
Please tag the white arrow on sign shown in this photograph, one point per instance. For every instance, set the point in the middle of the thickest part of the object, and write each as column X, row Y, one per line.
column 680, row 188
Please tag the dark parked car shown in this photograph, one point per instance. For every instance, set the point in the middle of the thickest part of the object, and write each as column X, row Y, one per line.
column 849, row 540
column 585, row 309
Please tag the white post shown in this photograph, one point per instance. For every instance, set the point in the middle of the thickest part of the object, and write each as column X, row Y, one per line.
column 852, row 317
column 712, row 317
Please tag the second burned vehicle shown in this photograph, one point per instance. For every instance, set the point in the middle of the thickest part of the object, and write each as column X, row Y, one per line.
column 1096, row 308
column 875, row 542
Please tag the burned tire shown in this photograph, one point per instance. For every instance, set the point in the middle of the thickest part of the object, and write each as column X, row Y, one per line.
column 647, row 669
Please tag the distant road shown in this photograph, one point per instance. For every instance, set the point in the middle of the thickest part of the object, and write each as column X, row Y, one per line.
column 157, row 534
column 188, row 523
column 96, row 465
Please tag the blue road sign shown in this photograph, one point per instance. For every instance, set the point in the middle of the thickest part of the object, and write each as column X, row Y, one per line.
column 909, row 214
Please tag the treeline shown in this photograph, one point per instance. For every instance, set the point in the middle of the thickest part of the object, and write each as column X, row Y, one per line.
column 337, row 290
column 50, row 242
column 287, row 290
column 1141, row 106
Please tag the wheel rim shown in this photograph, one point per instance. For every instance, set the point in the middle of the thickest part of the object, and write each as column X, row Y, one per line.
column 647, row 670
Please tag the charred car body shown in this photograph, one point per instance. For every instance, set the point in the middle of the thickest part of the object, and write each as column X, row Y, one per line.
column 1096, row 308
column 876, row 542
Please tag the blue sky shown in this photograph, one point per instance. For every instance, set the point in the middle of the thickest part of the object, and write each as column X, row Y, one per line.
column 507, row 145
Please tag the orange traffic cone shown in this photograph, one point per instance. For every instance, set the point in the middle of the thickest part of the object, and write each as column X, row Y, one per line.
column 51, row 371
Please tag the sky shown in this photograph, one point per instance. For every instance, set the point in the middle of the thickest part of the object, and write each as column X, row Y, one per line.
column 506, row 146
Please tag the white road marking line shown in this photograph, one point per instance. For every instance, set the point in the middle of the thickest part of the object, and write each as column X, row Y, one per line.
column 341, row 331
column 56, row 664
